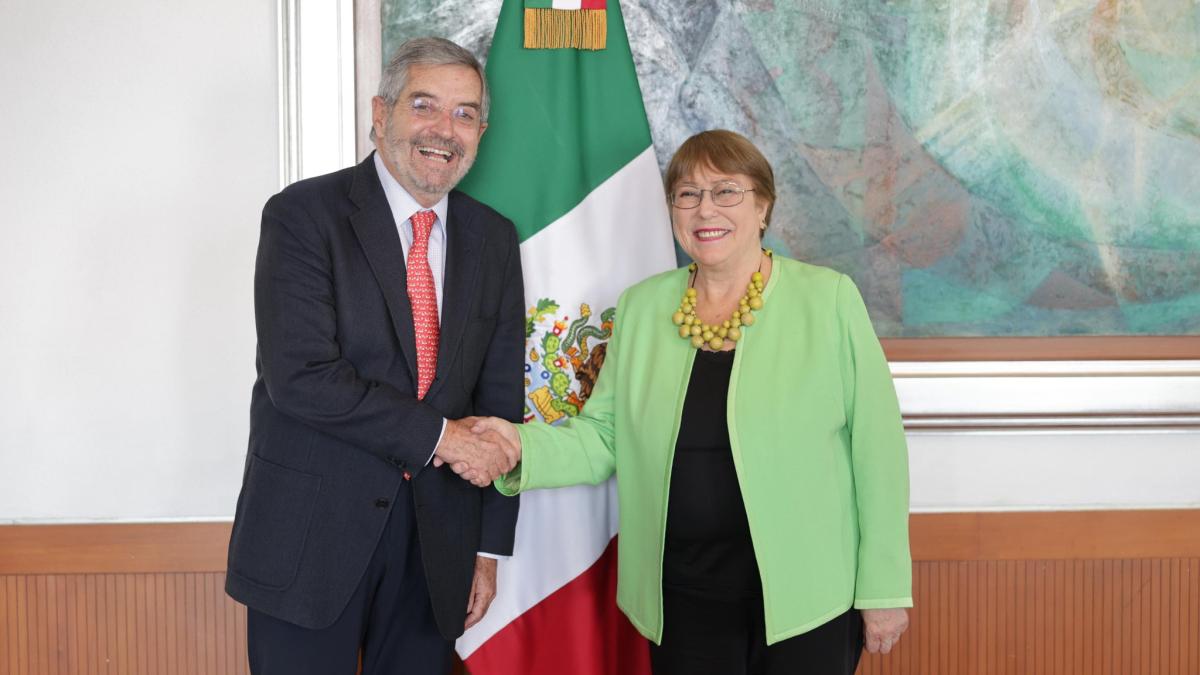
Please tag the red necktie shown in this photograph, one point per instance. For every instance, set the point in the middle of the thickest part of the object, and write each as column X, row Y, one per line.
column 424, row 300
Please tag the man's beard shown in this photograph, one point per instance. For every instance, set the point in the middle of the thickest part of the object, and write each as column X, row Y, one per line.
column 401, row 152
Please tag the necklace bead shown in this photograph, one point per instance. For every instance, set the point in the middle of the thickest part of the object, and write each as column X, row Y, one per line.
column 702, row 335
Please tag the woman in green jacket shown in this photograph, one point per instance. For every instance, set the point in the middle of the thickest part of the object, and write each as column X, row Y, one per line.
column 749, row 414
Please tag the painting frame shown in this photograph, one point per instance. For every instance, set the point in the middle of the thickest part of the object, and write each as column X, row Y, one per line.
column 1090, row 348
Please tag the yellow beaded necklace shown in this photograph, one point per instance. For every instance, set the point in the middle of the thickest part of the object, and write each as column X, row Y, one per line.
column 700, row 334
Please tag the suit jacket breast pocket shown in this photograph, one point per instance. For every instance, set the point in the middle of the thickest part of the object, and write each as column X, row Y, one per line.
column 272, row 523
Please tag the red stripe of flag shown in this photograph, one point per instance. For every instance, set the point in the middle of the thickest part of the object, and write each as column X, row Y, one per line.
column 576, row 629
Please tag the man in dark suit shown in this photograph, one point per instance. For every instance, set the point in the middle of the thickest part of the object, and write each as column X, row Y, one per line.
column 388, row 308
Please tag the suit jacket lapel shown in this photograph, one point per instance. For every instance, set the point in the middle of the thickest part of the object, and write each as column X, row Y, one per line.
column 464, row 251
column 377, row 234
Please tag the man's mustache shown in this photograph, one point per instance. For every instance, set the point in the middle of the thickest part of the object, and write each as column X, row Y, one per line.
column 439, row 144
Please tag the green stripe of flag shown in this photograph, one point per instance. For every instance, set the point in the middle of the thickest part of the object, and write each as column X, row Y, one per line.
column 562, row 121
column 539, row 4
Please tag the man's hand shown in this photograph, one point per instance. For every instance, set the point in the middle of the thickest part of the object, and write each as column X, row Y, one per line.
column 500, row 431
column 483, row 590
column 505, row 429
column 883, row 628
column 478, row 458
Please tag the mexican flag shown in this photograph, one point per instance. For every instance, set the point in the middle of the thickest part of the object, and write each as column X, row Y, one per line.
column 568, row 158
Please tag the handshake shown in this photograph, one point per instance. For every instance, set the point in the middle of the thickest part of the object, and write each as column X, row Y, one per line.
column 479, row 449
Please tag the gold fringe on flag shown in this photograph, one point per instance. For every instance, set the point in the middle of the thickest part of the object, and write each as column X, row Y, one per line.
column 566, row 28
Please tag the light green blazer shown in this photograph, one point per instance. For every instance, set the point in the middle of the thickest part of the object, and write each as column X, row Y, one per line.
column 817, row 444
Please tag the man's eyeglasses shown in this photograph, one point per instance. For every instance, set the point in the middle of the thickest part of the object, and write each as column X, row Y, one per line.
column 725, row 193
column 426, row 109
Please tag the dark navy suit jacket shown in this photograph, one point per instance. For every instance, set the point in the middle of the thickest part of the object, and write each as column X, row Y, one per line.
column 334, row 422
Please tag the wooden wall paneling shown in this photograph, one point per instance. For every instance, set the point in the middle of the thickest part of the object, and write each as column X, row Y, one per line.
column 1152, row 601
column 1165, row 614
column 1079, row 627
column 1027, row 617
column 1092, row 593
column 6, row 614
column 1194, row 633
column 1137, row 639
column 1147, row 616
column 102, row 624
column 133, row 601
column 15, row 618
column 1175, row 607
column 1095, row 617
column 1191, row 576
column 34, row 622
column 28, row 643
column 149, row 652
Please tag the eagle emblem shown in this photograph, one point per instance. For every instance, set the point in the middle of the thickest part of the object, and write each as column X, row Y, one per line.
column 564, row 359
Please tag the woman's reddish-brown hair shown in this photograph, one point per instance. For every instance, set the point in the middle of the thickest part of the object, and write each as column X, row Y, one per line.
column 726, row 152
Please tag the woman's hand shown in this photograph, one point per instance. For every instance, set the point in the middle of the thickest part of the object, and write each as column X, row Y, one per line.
column 505, row 431
column 883, row 627
column 491, row 448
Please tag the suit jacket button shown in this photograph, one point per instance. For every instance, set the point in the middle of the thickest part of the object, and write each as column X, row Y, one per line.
column 382, row 503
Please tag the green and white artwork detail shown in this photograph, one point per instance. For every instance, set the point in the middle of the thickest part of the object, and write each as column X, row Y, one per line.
column 1000, row 168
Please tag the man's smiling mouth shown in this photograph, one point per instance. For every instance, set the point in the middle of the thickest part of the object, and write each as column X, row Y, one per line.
column 437, row 154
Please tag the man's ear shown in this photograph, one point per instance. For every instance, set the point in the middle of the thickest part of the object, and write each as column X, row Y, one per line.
column 379, row 114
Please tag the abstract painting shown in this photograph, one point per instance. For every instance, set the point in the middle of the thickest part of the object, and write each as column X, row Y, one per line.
column 998, row 168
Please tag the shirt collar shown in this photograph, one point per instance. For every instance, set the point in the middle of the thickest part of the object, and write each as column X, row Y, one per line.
column 402, row 203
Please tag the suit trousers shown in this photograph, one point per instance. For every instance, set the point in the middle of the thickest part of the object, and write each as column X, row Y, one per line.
column 716, row 636
column 389, row 618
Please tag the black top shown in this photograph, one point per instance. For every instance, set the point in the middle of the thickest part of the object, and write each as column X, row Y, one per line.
column 708, row 548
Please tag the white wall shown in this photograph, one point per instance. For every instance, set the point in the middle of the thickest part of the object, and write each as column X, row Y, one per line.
column 140, row 140
column 1054, row 470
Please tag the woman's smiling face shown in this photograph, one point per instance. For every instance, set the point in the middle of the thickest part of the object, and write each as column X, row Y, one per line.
column 715, row 235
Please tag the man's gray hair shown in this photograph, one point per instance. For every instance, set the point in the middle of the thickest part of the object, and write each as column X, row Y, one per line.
column 427, row 51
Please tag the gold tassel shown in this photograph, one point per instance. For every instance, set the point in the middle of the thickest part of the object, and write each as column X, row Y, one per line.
column 566, row 28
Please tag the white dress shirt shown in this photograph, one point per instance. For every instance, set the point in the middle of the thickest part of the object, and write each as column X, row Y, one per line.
column 403, row 207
